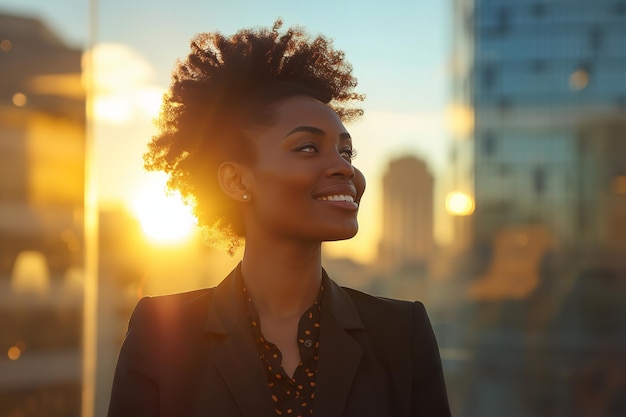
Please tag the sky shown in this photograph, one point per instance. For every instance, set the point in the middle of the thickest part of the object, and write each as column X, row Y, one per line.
column 399, row 51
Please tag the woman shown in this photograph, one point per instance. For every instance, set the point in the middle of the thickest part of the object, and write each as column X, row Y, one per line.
column 252, row 132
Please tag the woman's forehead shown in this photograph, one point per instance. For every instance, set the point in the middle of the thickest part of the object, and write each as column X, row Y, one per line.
column 307, row 111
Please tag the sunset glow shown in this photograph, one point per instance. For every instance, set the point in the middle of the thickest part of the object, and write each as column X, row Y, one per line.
column 164, row 217
column 122, row 84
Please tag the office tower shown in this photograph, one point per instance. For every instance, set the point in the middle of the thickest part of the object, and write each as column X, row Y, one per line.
column 539, row 94
column 407, row 227
column 42, row 142
column 539, row 104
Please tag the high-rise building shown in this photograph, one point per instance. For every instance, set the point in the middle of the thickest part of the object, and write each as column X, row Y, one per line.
column 539, row 106
column 42, row 142
column 539, row 93
column 407, row 226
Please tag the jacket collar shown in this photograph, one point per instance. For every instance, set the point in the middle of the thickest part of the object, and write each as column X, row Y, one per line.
column 238, row 362
column 227, row 308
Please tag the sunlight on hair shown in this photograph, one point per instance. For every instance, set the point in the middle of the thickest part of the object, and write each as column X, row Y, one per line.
column 163, row 215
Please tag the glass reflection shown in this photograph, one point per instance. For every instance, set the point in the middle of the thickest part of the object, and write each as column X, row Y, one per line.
column 542, row 268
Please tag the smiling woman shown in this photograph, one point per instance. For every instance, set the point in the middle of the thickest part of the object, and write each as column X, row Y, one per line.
column 252, row 130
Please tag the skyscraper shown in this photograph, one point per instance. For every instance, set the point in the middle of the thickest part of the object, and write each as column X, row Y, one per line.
column 407, row 233
column 543, row 84
column 539, row 99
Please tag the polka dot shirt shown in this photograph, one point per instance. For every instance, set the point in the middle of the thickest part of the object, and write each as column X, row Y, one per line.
column 292, row 396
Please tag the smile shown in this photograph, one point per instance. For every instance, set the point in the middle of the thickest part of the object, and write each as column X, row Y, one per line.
column 338, row 197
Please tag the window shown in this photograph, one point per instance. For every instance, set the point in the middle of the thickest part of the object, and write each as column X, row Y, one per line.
column 538, row 9
column 539, row 180
column 619, row 8
column 488, row 76
column 503, row 18
column 489, row 144
column 595, row 39
column 504, row 105
column 538, row 66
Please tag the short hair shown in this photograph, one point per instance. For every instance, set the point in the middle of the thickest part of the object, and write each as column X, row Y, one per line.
column 225, row 85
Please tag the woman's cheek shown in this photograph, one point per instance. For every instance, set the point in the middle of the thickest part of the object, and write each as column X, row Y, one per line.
column 359, row 182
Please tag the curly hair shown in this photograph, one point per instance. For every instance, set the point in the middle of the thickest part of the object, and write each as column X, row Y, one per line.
column 226, row 85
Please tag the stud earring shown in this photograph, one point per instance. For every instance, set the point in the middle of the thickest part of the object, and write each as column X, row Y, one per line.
column 245, row 196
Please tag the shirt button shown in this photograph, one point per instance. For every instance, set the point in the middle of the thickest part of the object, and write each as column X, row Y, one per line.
column 308, row 343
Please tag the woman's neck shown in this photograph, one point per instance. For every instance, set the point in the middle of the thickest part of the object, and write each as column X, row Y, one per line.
column 283, row 280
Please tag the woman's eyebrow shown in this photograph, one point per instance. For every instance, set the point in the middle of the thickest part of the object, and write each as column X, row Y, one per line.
column 316, row 131
column 310, row 129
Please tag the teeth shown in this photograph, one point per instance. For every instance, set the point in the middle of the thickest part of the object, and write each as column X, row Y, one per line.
column 339, row 197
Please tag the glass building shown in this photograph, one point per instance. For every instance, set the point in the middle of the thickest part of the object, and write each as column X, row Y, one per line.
column 539, row 106
column 544, row 83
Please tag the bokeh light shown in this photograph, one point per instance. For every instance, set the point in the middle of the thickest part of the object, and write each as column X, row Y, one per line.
column 579, row 79
column 19, row 99
column 459, row 204
column 14, row 353
column 30, row 273
column 5, row 45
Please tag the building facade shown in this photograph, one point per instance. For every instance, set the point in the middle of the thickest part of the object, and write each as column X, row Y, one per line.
column 42, row 145
column 544, row 86
column 539, row 99
column 407, row 224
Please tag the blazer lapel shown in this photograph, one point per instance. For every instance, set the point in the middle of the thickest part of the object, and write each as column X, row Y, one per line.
column 339, row 353
column 237, row 359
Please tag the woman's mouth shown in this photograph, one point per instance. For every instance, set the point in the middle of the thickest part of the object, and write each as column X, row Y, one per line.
column 341, row 200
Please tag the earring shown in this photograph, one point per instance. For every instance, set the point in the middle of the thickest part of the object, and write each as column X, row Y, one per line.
column 245, row 196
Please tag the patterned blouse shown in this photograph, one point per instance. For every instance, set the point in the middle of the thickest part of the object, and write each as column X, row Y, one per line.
column 292, row 396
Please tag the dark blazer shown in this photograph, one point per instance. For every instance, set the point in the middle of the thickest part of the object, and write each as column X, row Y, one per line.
column 193, row 354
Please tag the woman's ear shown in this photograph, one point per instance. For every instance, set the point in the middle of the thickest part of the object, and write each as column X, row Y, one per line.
column 231, row 178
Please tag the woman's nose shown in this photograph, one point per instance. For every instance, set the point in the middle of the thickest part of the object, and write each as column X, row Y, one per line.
column 341, row 167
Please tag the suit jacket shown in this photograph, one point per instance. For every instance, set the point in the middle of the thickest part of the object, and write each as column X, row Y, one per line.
column 193, row 354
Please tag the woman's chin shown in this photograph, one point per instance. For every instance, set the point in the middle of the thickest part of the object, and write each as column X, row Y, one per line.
column 343, row 235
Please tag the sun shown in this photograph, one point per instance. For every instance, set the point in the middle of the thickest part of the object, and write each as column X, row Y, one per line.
column 163, row 215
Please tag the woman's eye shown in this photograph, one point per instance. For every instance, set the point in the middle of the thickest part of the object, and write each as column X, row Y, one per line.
column 348, row 154
column 307, row 149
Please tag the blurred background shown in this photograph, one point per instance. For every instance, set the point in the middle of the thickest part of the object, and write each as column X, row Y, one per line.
column 494, row 143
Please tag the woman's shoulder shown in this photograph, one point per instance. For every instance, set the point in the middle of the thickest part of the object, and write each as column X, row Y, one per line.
column 376, row 301
column 167, row 311
column 166, row 302
column 374, row 308
column 181, row 298
column 392, row 324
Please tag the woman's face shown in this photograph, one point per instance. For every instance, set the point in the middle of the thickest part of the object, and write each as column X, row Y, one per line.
column 302, row 184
